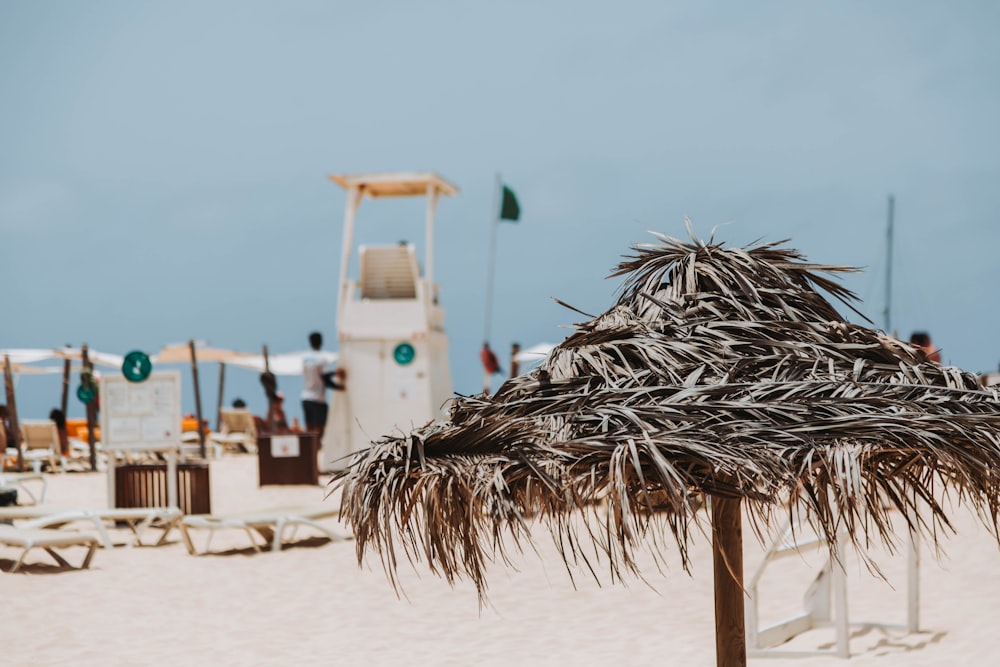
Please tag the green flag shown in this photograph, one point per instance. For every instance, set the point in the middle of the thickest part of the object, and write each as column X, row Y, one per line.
column 509, row 210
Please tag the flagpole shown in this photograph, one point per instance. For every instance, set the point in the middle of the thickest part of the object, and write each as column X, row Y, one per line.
column 493, row 259
column 888, row 271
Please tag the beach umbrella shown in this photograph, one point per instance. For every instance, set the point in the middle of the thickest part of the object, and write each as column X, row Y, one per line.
column 529, row 357
column 272, row 365
column 284, row 363
column 83, row 354
column 68, row 354
column 719, row 372
column 27, row 355
column 533, row 354
column 106, row 359
column 192, row 353
column 181, row 353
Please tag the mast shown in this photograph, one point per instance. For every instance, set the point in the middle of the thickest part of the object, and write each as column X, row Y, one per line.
column 887, row 312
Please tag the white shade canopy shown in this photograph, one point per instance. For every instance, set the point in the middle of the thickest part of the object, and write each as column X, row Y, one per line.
column 26, row 355
column 107, row 359
column 533, row 354
column 176, row 353
column 288, row 363
column 30, row 356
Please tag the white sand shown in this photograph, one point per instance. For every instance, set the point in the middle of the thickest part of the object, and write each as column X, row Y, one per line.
column 312, row 605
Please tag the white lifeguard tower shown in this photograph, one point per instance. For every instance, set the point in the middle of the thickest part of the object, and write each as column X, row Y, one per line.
column 390, row 326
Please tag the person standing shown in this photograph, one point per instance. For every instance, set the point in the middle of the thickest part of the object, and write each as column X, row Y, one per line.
column 316, row 380
column 277, row 416
column 57, row 416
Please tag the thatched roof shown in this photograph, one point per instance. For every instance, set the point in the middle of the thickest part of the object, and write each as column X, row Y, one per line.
column 720, row 371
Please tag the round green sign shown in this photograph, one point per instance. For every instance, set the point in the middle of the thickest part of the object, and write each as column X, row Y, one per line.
column 136, row 366
column 403, row 354
column 86, row 394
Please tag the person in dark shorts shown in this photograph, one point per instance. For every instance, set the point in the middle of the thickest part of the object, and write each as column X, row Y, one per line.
column 316, row 380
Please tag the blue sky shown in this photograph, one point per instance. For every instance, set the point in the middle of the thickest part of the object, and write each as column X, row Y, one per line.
column 163, row 164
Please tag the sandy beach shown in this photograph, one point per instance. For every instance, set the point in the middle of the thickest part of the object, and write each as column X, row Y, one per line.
column 311, row 604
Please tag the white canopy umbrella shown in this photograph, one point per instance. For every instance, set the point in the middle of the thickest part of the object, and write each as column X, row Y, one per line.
column 27, row 355
column 19, row 357
column 534, row 354
column 34, row 355
column 288, row 363
column 106, row 359
column 176, row 353
column 192, row 353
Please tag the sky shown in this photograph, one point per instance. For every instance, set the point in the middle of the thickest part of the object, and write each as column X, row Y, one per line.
column 163, row 165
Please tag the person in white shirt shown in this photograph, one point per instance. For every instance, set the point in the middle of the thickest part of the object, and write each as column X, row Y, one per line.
column 316, row 381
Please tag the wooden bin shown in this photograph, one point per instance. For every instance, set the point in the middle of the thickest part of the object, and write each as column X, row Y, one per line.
column 145, row 485
column 287, row 458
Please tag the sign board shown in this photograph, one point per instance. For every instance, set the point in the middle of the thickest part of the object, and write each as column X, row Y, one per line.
column 144, row 415
column 403, row 354
column 284, row 446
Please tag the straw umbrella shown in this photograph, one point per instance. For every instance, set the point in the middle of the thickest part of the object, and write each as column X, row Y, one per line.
column 719, row 371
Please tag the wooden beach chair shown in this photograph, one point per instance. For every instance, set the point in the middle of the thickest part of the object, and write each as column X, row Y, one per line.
column 269, row 524
column 237, row 430
column 40, row 438
column 49, row 539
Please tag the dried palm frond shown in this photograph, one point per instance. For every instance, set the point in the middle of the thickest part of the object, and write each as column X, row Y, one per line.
column 718, row 371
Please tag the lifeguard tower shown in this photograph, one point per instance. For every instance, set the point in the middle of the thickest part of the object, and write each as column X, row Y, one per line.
column 390, row 326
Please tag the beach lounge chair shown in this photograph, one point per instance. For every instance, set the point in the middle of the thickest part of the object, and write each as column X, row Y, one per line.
column 137, row 519
column 237, row 431
column 18, row 479
column 191, row 443
column 49, row 539
column 269, row 524
column 40, row 439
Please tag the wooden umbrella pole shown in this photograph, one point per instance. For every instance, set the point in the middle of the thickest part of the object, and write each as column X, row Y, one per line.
column 64, row 402
column 14, row 437
column 727, row 556
column 514, row 366
column 218, row 406
column 270, row 398
column 197, row 399
column 91, row 409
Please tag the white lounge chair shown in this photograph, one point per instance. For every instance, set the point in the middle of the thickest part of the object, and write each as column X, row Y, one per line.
column 137, row 519
column 49, row 539
column 18, row 479
column 270, row 524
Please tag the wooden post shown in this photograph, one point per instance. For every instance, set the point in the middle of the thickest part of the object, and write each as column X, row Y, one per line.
column 727, row 553
column 270, row 398
column 14, row 437
column 64, row 403
column 91, row 410
column 515, row 348
column 197, row 398
column 218, row 407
